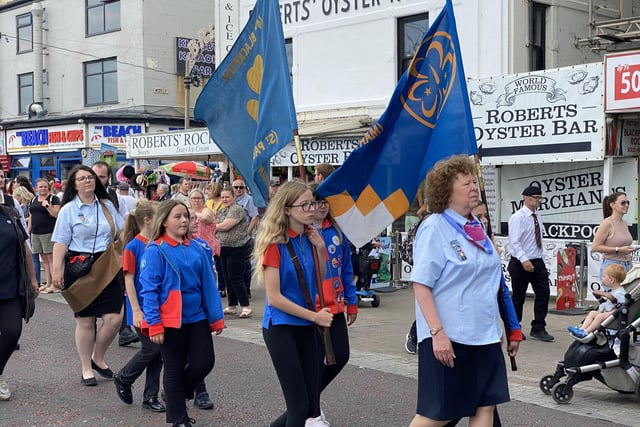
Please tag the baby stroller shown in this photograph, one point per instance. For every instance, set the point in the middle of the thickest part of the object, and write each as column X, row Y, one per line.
column 594, row 356
column 365, row 266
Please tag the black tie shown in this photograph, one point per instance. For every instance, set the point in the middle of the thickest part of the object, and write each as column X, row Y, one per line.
column 536, row 227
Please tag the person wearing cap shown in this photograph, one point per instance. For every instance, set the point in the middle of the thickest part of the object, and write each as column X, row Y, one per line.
column 526, row 264
column 274, row 184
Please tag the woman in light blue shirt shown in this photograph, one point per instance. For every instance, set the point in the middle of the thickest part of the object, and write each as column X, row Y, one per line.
column 83, row 226
column 456, row 275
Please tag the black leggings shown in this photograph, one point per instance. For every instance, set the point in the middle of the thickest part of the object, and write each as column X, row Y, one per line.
column 340, row 342
column 10, row 328
column 294, row 353
column 233, row 265
column 188, row 358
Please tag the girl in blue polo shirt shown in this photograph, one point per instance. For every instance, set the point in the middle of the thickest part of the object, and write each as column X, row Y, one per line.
column 288, row 325
column 181, row 306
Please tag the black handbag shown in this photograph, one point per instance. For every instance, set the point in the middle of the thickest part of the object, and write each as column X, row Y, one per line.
column 78, row 263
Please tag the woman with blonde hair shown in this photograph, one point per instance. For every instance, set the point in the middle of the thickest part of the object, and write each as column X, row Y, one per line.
column 213, row 191
column 43, row 212
column 284, row 254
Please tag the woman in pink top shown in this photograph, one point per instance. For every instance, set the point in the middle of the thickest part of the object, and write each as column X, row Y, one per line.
column 207, row 220
column 613, row 239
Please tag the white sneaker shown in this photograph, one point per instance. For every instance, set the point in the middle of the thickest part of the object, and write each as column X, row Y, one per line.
column 5, row 393
column 326, row 423
column 316, row 422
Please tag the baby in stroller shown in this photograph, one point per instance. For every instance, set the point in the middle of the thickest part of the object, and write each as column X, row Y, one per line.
column 612, row 276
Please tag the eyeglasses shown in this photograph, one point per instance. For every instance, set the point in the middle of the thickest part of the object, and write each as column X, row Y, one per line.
column 536, row 197
column 196, row 198
column 321, row 204
column 85, row 178
column 238, row 187
column 625, row 203
column 306, row 206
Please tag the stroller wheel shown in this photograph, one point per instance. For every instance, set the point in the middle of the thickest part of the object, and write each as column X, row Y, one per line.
column 376, row 301
column 562, row 393
column 547, row 383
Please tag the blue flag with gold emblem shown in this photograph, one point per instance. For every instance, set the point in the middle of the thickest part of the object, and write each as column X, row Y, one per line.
column 248, row 102
column 428, row 119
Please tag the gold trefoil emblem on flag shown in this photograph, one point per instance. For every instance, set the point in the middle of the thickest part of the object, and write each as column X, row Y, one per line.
column 254, row 80
column 430, row 79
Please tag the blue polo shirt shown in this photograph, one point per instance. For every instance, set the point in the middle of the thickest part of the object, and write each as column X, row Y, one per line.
column 76, row 225
column 464, row 280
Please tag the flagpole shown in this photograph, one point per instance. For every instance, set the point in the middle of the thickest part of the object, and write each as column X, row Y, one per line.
column 301, row 170
column 501, row 303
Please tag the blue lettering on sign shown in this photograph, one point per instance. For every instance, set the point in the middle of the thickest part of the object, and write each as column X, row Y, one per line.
column 34, row 137
column 120, row 131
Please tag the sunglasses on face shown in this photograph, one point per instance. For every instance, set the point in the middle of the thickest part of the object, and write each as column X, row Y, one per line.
column 238, row 187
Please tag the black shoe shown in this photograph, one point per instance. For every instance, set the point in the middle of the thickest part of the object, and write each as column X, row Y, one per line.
column 203, row 402
column 187, row 422
column 411, row 344
column 126, row 337
column 123, row 390
column 104, row 373
column 153, row 405
column 223, row 294
column 541, row 335
column 89, row 382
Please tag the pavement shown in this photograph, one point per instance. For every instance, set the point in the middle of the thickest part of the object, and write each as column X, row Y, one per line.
column 377, row 388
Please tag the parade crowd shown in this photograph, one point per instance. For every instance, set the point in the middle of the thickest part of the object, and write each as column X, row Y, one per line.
column 157, row 269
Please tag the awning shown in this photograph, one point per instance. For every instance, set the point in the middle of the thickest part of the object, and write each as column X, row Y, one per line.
column 335, row 126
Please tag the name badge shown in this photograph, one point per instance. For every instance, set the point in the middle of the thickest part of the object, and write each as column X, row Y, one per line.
column 455, row 245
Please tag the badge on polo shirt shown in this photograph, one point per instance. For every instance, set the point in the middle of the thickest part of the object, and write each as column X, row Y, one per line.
column 458, row 250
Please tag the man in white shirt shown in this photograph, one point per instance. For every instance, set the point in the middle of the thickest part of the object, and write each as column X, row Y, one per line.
column 126, row 198
column 526, row 264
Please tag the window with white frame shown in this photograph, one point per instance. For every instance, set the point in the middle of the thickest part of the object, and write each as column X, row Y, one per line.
column 103, row 16
column 24, row 32
column 25, row 92
column 411, row 31
column 101, row 82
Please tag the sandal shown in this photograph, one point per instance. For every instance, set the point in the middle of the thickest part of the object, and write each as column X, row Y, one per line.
column 230, row 310
column 245, row 313
column 43, row 287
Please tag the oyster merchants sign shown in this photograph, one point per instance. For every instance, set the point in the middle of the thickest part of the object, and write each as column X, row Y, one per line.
column 542, row 116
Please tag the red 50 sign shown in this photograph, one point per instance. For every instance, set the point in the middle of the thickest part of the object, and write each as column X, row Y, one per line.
column 622, row 81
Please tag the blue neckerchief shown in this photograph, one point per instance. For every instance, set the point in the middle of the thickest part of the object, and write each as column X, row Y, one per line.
column 486, row 245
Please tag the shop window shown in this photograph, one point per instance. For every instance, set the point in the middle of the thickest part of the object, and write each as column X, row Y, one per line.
column 25, row 92
column 47, row 161
column 103, row 16
column 101, row 82
column 288, row 45
column 537, row 30
column 24, row 31
column 20, row 162
column 411, row 31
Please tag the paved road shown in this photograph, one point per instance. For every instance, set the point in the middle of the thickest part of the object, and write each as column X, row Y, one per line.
column 377, row 388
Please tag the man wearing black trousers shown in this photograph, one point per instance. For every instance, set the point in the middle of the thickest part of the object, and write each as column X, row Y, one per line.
column 526, row 264
column 126, row 335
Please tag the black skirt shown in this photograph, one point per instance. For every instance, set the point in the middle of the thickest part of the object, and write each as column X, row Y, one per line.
column 478, row 378
column 110, row 300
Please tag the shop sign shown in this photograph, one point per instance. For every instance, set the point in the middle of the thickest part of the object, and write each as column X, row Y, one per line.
column 205, row 62
column 542, row 116
column 630, row 137
column 317, row 150
column 112, row 134
column 622, row 82
column 171, row 144
column 55, row 138
column 572, row 195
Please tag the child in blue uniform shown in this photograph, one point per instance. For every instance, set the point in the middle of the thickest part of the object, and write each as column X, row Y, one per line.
column 289, row 316
column 181, row 307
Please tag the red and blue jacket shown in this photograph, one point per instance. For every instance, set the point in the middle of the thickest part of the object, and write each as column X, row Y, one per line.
column 178, row 286
column 338, row 284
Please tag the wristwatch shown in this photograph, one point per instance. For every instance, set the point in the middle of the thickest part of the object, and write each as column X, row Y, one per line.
column 434, row 331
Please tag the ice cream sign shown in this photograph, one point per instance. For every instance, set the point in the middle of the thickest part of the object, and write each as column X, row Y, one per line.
column 55, row 138
column 112, row 134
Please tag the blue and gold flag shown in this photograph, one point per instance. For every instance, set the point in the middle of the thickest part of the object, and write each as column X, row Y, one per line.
column 428, row 119
column 248, row 103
